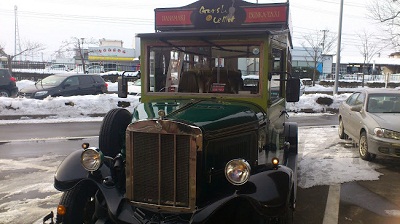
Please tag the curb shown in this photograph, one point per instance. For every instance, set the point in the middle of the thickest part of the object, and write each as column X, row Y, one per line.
column 39, row 116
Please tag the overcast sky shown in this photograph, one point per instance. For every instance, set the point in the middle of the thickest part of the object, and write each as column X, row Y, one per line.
column 52, row 21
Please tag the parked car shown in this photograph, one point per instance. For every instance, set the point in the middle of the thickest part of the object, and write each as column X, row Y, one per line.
column 370, row 118
column 94, row 69
column 65, row 85
column 135, row 88
column 8, row 87
column 58, row 67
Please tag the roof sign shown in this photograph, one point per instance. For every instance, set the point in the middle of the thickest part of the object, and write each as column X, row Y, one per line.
column 215, row 14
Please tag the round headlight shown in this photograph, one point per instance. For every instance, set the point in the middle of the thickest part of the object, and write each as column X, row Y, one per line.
column 237, row 171
column 91, row 159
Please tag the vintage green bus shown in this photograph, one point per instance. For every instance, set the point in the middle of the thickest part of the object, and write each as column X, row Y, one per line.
column 209, row 141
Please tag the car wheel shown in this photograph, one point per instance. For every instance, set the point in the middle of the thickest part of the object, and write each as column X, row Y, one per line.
column 112, row 131
column 4, row 93
column 363, row 148
column 80, row 204
column 342, row 135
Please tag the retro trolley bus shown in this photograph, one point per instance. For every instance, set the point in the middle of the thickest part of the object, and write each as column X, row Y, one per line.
column 209, row 141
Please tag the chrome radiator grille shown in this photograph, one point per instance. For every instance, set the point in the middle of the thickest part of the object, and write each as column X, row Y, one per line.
column 161, row 166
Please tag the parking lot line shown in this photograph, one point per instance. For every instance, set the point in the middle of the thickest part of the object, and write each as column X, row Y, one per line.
column 331, row 215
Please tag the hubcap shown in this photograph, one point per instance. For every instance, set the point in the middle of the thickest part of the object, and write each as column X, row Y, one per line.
column 363, row 146
column 341, row 128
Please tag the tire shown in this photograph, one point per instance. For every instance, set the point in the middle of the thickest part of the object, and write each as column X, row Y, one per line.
column 4, row 93
column 363, row 148
column 291, row 136
column 288, row 217
column 112, row 131
column 79, row 203
column 341, row 133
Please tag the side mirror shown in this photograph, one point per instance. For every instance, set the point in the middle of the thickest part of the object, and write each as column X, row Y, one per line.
column 356, row 108
column 293, row 90
column 122, row 87
column 66, row 85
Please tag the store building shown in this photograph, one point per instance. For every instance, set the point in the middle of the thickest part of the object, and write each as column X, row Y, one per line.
column 113, row 56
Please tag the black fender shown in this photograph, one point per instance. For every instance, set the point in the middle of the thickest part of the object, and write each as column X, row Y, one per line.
column 292, row 136
column 71, row 172
column 267, row 193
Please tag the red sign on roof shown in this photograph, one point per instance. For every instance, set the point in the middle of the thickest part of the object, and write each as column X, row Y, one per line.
column 217, row 14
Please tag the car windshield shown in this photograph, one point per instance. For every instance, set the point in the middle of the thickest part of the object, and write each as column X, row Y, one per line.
column 52, row 80
column 384, row 103
column 137, row 82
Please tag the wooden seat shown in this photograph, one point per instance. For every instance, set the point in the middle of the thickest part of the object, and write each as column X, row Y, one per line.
column 188, row 82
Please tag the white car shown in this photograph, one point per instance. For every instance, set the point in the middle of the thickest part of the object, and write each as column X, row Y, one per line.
column 94, row 69
column 135, row 88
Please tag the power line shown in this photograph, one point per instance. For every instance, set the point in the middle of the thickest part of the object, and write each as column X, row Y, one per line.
column 71, row 17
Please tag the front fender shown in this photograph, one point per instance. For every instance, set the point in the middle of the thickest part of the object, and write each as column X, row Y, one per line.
column 70, row 172
column 266, row 192
column 270, row 188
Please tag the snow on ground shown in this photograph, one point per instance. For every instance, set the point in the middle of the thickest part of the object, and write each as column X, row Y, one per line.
column 61, row 109
column 324, row 159
column 64, row 109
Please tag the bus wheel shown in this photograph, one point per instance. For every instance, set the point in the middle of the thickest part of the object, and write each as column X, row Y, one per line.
column 79, row 203
column 112, row 132
column 291, row 136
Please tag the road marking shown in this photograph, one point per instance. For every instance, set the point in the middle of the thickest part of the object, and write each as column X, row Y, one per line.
column 331, row 215
column 46, row 139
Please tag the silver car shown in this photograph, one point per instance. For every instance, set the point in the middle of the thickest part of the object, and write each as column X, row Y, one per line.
column 371, row 118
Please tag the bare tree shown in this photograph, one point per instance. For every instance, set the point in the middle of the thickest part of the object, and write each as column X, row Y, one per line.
column 75, row 45
column 387, row 12
column 369, row 48
column 30, row 47
column 317, row 45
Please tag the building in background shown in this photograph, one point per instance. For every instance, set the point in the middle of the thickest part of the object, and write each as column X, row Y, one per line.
column 113, row 56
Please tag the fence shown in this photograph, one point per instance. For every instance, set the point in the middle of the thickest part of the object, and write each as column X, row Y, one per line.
column 370, row 78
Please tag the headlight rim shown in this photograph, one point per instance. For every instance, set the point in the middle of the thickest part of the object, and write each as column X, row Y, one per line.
column 247, row 170
column 99, row 159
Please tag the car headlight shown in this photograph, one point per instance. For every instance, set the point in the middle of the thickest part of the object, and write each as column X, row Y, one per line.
column 41, row 93
column 237, row 171
column 91, row 159
column 385, row 133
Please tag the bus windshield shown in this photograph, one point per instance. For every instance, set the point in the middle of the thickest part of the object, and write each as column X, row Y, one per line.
column 204, row 67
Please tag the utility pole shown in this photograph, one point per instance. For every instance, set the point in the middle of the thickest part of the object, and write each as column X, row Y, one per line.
column 81, row 51
column 336, row 86
column 323, row 50
column 323, row 40
column 17, row 41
